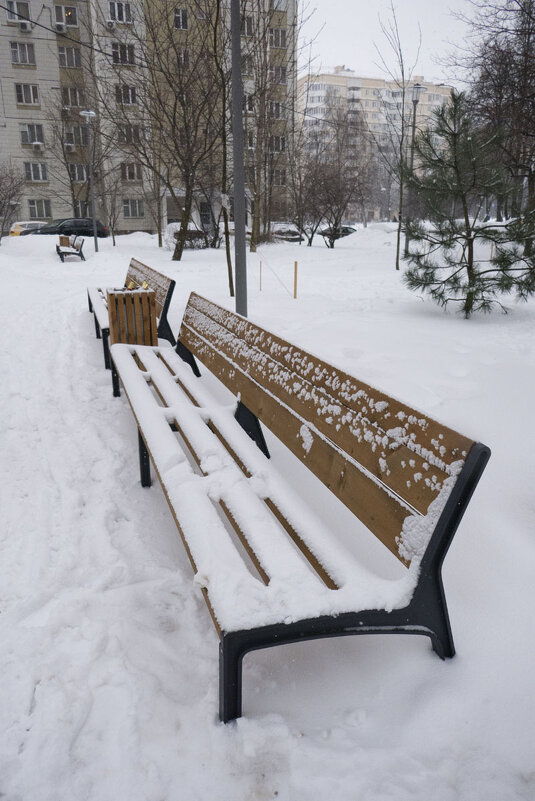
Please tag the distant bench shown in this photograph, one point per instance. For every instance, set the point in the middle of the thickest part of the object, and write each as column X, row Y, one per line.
column 270, row 571
column 70, row 246
column 139, row 276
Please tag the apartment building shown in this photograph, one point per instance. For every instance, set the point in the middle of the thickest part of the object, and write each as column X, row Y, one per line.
column 59, row 60
column 379, row 100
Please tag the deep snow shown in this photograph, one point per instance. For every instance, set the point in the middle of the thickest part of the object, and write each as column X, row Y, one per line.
column 109, row 658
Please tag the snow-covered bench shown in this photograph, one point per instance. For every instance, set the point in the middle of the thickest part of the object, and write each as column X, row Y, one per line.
column 270, row 571
column 70, row 246
column 138, row 276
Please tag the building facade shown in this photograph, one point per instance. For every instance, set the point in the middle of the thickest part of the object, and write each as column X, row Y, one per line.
column 59, row 60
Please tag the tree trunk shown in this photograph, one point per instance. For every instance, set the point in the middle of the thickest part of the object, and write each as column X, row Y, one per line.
column 186, row 214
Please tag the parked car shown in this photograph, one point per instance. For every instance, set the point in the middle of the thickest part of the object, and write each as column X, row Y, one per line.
column 344, row 230
column 288, row 234
column 25, row 226
column 80, row 226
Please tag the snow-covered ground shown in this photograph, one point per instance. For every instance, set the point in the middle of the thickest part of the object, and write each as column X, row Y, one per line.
column 108, row 657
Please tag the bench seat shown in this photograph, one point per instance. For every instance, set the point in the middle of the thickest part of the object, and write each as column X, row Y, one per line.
column 294, row 590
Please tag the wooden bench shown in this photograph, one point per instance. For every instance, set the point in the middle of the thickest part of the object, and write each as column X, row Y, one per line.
column 271, row 572
column 70, row 246
column 137, row 276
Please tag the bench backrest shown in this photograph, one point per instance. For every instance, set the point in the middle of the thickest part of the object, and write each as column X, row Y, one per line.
column 143, row 277
column 384, row 460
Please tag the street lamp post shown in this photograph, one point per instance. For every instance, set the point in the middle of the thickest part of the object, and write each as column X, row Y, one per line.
column 417, row 89
column 89, row 115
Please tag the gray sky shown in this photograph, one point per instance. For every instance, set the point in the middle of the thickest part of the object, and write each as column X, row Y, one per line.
column 348, row 29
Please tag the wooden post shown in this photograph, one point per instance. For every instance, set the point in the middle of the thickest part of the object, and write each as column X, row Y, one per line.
column 295, row 279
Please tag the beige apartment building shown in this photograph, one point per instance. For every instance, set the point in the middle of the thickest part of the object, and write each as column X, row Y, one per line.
column 58, row 60
column 379, row 102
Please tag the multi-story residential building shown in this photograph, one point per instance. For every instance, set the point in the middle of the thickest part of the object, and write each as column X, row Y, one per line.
column 59, row 60
column 380, row 108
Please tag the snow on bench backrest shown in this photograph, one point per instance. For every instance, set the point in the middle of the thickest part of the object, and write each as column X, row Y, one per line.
column 391, row 465
column 143, row 277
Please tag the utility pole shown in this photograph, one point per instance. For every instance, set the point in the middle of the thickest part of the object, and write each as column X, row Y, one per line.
column 89, row 115
column 237, row 152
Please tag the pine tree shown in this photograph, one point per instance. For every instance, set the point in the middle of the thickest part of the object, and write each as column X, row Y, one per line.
column 455, row 173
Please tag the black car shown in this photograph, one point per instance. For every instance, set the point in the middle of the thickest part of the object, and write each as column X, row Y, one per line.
column 344, row 230
column 79, row 226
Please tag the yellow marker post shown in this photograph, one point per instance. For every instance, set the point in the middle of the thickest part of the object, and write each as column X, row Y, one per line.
column 295, row 279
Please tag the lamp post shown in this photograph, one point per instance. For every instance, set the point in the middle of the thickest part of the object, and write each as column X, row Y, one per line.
column 417, row 89
column 89, row 115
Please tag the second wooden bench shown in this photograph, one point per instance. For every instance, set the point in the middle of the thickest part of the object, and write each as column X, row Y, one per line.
column 139, row 276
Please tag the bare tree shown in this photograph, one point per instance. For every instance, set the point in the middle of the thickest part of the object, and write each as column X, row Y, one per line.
column 392, row 146
column 11, row 188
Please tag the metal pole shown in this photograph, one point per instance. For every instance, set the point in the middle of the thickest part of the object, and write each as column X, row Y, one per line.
column 414, row 103
column 237, row 152
column 88, row 115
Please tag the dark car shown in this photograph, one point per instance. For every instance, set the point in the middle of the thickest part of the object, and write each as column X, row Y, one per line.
column 79, row 226
column 337, row 233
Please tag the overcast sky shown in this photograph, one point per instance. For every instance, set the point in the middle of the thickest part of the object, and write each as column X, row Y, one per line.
column 347, row 30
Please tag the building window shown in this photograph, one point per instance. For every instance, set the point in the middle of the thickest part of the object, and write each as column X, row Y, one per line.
column 68, row 15
column 130, row 171
column 27, row 93
column 128, row 134
column 125, row 95
column 76, row 135
column 250, row 140
column 247, row 65
column 120, row 12
column 22, row 53
column 30, row 133
column 72, row 97
column 35, row 171
column 39, row 209
column 78, row 172
column 276, row 110
column 277, row 144
column 181, row 19
column 277, row 74
column 205, row 211
column 279, row 177
column 277, row 37
column 132, row 207
column 183, row 57
column 70, row 57
column 279, row 5
column 82, row 208
column 17, row 11
column 122, row 53
column 247, row 26
column 248, row 102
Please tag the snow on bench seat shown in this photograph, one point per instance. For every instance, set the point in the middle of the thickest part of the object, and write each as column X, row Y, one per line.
column 294, row 590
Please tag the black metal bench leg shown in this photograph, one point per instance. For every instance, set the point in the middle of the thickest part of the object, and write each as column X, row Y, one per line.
column 97, row 327
column 230, row 679
column 89, row 303
column 106, row 347
column 144, row 462
column 115, row 382
column 251, row 425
